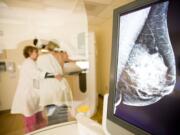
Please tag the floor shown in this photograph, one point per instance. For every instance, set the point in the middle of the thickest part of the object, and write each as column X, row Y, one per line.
column 13, row 124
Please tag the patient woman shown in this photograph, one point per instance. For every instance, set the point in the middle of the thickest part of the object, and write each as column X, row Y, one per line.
column 26, row 99
column 54, row 95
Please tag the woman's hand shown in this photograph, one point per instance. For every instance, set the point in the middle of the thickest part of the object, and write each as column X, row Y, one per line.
column 58, row 77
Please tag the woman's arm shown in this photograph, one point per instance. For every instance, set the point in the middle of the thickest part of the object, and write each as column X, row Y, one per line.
column 50, row 75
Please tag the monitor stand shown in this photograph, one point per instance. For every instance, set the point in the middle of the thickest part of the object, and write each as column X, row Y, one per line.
column 110, row 127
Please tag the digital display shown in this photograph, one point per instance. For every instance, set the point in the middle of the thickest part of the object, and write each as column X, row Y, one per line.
column 147, row 85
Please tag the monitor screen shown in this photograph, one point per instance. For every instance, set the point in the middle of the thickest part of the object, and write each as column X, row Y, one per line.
column 147, row 91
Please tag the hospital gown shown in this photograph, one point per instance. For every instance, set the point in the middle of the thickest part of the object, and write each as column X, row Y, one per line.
column 53, row 91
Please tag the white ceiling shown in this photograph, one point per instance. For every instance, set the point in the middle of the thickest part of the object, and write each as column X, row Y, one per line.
column 100, row 10
column 97, row 10
column 40, row 4
column 100, row 1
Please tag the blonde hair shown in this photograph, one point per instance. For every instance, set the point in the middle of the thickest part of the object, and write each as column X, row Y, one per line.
column 51, row 46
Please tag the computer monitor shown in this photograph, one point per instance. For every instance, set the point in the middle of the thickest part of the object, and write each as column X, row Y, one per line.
column 145, row 67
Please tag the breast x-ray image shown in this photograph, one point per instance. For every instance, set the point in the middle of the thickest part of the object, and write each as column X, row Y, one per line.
column 146, row 66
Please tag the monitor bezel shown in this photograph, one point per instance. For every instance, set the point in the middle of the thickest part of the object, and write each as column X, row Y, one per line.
column 133, row 6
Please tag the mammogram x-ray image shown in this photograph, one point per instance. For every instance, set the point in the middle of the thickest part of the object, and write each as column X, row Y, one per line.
column 146, row 63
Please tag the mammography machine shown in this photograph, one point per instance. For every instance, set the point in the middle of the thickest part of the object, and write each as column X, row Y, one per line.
column 144, row 83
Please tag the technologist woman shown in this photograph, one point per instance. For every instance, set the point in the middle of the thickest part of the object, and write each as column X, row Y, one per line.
column 26, row 99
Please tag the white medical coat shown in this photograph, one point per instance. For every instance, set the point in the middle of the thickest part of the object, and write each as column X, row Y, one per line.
column 26, row 99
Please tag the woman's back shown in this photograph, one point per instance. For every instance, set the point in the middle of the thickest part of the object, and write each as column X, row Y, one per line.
column 53, row 91
column 49, row 63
